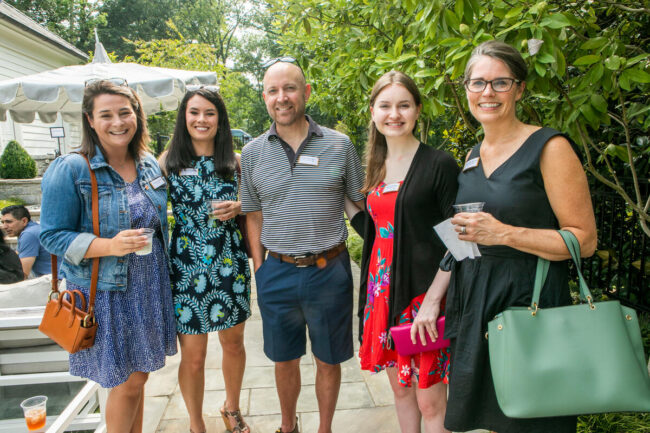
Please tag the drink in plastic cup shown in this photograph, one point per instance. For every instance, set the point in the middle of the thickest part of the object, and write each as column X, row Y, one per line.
column 147, row 248
column 469, row 207
column 35, row 412
column 212, row 220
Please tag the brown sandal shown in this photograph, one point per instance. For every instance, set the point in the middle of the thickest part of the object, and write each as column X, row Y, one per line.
column 240, row 426
column 295, row 429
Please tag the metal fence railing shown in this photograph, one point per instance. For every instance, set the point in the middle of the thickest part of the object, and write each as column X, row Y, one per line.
column 621, row 265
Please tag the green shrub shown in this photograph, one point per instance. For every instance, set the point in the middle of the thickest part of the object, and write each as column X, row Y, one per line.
column 10, row 202
column 355, row 245
column 614, row 423
column 15, row 162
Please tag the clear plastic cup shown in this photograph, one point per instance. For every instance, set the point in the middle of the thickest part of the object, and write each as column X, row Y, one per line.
column 212, row 220
column 35, row 412
column 469, row 207
column 147, row 248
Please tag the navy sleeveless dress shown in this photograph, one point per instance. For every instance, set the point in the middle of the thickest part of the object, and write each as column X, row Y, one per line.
column 502, row 277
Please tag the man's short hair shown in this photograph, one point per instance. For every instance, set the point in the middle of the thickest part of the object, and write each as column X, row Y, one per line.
column 18, row 211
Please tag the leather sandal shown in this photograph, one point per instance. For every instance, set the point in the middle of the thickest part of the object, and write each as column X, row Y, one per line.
column 239, row 426
column 295, row 429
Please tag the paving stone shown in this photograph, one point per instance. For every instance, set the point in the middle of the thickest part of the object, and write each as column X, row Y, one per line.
column 380, row 390
column 212, row 402
column 375, row 420
column 154, row 407
column 164, row 381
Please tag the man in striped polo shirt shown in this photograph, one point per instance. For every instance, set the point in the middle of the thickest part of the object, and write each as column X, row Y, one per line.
column 295, row 179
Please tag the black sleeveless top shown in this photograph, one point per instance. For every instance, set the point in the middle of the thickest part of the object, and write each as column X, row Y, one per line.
column 502, row 277
column 514, row 193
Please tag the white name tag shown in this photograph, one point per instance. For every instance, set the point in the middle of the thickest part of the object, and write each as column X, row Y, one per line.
column 308, row 160
column 189, row 172
column 157, row 182
column 472, row 163
column 391, row 187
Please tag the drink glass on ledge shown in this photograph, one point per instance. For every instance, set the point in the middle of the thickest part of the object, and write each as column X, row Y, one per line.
column 35, row 412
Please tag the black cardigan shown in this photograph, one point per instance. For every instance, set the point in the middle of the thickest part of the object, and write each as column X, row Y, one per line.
column 423, row 201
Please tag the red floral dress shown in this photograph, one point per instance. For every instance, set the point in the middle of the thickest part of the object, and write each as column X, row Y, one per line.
column 430, row 367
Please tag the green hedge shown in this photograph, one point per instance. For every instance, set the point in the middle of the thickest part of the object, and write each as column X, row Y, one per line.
column 15, row 162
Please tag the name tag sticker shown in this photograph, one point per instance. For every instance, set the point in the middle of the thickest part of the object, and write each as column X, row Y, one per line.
column 308, row 160
column 472, row 163
column 157, row 182
column 391, row 187
column 189, row 172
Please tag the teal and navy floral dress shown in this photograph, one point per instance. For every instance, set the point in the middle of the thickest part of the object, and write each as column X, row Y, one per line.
column 210, row 274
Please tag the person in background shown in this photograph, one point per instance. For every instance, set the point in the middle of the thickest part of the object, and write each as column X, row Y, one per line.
column 532, row 183
column 210, row 273
column 133, row 306
column 35, row 259
column 295, row 178
column 410, row 188
column 11, row 269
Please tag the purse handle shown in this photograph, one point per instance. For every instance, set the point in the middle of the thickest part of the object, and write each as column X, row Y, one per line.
column 94, row 203
column 542, row 271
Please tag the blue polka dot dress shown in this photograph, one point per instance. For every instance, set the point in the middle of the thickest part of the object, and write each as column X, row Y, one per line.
column 136, row 327
column 210, row 273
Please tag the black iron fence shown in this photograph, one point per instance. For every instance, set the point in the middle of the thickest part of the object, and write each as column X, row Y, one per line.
column 621, row 265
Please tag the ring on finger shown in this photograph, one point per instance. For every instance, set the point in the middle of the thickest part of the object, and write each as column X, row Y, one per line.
column 463, row 230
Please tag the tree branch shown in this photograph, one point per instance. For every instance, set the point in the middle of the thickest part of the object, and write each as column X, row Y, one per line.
column 628, row 8
column 459, row 105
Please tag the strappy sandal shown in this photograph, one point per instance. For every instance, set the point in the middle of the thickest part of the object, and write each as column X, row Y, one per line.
column 240, row 426
column 295, row 429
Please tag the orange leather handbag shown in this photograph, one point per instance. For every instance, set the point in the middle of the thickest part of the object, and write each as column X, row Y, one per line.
column 68, row 324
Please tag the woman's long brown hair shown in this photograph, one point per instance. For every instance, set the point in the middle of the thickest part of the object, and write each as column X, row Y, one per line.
column 376, row 148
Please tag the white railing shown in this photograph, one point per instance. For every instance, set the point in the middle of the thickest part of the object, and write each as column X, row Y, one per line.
column 21, row 324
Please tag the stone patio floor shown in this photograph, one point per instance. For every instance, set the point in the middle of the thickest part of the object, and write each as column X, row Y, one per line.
column 365, row 401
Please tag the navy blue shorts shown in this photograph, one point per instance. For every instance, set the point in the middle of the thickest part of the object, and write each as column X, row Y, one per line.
column 290, row 297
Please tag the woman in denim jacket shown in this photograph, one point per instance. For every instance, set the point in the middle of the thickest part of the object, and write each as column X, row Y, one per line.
column 134, row 312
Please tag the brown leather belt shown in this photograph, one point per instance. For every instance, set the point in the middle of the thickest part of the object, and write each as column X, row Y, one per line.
column 304, row 260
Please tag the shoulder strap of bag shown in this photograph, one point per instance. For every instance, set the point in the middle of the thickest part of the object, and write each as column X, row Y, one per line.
column 543, row 265
column 95, row 271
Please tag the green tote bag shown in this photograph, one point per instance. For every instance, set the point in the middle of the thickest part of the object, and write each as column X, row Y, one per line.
column 572, row 360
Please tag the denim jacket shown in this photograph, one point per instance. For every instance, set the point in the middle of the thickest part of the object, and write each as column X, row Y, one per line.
column 66, row 215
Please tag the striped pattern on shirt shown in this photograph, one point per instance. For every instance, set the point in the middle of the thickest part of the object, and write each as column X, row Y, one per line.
column 302, row 205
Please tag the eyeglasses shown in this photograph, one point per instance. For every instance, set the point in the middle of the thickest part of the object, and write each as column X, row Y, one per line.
column 116, row 80
column 195, row 87
column 272, row 62
column 498, row 84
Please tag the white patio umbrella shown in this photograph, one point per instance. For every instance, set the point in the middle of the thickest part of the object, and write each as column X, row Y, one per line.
column 61, row 90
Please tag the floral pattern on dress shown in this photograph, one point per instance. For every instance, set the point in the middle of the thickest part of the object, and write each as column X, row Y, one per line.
column 430, row 367
column 210, row 272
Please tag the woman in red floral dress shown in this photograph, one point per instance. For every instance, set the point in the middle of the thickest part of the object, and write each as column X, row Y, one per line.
column 410, row 188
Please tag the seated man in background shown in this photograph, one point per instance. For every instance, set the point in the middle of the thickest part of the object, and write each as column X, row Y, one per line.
column 16, row 221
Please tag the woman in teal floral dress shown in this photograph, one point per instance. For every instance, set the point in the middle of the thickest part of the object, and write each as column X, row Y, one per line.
column 210, row 274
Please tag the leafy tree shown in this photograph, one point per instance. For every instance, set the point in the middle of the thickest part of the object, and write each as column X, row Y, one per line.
column 212, row 22
column 135, row 20
column 589, row 77
column 73, row 20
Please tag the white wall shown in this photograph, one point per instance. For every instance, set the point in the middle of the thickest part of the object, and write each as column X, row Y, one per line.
column 22, row 53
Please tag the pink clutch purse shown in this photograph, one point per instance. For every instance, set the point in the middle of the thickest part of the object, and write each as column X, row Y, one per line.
column 402, row 337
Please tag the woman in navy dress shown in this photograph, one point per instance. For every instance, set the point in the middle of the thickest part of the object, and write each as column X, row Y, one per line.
column 532, row 183
column 210, row 274
column 133, row 304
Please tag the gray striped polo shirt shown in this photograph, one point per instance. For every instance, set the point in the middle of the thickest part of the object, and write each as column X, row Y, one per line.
column 301, row 204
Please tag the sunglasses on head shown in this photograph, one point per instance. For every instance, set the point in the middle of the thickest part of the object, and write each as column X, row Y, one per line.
column 285, row 59
column 195, row 87
column 116, row 80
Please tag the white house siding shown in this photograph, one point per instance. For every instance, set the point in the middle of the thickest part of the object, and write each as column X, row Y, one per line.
column 22, row 53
